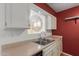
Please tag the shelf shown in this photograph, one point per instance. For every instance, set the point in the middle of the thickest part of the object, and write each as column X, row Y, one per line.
column 75, row 18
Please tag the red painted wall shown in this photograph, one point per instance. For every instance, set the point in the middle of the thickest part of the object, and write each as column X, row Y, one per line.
column 46, row 8
column 69, row 30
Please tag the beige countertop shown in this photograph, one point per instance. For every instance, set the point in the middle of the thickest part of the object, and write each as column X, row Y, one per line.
column 25, row 48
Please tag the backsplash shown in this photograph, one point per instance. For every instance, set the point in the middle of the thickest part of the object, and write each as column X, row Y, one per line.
column 11, row 32
column 14, row 35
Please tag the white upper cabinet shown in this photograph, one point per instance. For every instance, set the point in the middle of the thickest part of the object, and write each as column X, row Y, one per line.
column 51, row 22
column 17, row 15
column 14, row 15
column 2, row 15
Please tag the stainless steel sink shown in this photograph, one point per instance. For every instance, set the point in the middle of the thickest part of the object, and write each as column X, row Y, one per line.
column 44, row 42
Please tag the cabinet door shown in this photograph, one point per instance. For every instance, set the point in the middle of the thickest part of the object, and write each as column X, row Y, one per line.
column 55, row 51
column 59, row 45
column 17, row 15
column 2, row 15
column 54, row 22
column 51, row 22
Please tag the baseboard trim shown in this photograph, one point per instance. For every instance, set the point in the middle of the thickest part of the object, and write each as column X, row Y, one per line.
column 66, row 54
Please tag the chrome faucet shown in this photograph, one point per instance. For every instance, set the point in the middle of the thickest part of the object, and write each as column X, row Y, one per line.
column 42, row 36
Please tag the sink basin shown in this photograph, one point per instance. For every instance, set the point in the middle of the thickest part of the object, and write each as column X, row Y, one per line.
column 44, row 42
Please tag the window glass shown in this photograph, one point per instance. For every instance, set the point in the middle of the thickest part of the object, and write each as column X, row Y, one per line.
column 37, row 23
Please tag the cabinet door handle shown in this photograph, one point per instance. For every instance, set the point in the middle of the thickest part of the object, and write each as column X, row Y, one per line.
column 5, row 23
column 29, row 25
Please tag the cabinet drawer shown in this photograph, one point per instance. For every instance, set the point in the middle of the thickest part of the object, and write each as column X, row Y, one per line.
column 50, row 52
column 50, row 46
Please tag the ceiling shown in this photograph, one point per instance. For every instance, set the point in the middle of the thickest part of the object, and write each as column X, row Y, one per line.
column 58, row 7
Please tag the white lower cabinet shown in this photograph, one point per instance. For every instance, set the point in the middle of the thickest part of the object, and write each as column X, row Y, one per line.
column 54, row 49
column 59, row 44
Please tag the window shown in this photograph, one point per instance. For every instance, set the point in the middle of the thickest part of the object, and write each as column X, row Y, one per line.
column 37, row 23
